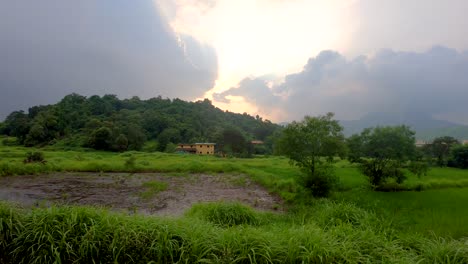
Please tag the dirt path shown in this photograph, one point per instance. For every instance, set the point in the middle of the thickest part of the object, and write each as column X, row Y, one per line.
column 124, row 191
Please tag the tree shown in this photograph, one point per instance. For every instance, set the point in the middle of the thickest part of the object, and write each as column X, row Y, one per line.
column 311, row 144
column 384, row 150
column 441, row 147
column 17, row 124
column 101, row 139
column 231, row 141
column 121, row 143
column 169, row 135
column 459, row 157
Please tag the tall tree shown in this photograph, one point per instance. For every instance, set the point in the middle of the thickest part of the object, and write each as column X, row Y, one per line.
column 312, row 144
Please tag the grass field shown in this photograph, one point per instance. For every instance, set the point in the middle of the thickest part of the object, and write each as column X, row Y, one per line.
column 355, row 225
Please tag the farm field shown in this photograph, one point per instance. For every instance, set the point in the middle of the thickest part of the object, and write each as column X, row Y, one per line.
column 354, row 225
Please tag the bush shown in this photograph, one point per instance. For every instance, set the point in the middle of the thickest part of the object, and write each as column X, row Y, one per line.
column 379, row 171
column 130, row 163
column 418, row 168
column 225, row 214
column 459, row 157
column 35, row 156
column 321, row 183
column 9, row 142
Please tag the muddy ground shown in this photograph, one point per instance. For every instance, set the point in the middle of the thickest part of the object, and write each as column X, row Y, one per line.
column 125, row 191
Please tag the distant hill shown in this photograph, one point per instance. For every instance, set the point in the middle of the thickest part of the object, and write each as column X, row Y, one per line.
column 109, row 123
column 424, row 125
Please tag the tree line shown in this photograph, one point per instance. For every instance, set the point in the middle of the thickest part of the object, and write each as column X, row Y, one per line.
column 384, row 154
column 108, row 123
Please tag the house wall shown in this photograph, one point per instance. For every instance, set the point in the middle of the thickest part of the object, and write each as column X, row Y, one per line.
column 205, row 149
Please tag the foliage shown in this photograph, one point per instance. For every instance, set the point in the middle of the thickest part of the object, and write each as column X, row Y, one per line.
column 459, row 158
column 383, row 150
column 35, row 156
column 231, row 141
column 312, row 144
column 440, row 149
column 108, row 123
column 130, row 162
column 418, row 168
column 322, row 182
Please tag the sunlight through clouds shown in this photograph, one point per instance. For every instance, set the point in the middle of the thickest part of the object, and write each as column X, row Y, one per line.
column 261, row 37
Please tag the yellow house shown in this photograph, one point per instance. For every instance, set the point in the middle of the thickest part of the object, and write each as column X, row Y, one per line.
column 197, row 148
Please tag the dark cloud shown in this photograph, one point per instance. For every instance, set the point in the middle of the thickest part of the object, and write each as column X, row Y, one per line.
column 50, row 48
column 255, row 91
column 433, row 82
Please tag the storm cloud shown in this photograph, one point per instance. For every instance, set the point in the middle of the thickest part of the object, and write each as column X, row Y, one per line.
column 51, row 48
column 434, row 82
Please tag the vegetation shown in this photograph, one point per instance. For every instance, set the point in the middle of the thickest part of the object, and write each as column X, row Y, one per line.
column 311, row 145
column 354, row 225
column 459, row 157
column 440, row 149
column 35, row 156
column 153, row 188
column 225, row 214
column 107, row 123
column 425, row 222
column 382, row 151
column 336, row 232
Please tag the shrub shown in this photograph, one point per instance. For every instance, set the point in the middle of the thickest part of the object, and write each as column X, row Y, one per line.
column 379, row 171
column 130, row 163
column 459, row 157
column 418, row 168
column 35, row 156
column 321, row 182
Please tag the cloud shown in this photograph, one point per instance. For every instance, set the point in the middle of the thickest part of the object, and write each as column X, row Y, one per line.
column 51, row 48
column 408, row 25
column 255, row 91
column 434, row 82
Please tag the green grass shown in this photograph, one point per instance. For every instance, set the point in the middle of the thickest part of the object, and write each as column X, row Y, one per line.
column 224, row 214
column 86, row 235
column 442, row 212
column 153, row 188
column 355, row 225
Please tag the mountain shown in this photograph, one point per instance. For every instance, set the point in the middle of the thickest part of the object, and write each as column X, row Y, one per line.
column 425, row 126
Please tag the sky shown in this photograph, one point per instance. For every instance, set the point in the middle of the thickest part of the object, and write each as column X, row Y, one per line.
column 281, row 59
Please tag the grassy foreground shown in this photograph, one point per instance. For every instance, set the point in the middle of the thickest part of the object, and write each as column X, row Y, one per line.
column 356, row 225
column 215, row 233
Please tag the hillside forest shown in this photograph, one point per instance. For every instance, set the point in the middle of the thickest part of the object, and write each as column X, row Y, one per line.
column 156, row 124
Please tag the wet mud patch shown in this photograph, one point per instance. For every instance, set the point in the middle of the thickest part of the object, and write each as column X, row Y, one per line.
column 134, row 192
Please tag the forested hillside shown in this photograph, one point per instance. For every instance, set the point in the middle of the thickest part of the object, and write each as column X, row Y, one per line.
column 108, row 123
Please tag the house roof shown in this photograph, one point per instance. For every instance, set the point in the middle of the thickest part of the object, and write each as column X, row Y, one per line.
column 205, row 143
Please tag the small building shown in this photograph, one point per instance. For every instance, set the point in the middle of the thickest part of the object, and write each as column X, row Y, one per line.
column 465, row 142
column 197, row 148
column 421, row 143
column 256, row 142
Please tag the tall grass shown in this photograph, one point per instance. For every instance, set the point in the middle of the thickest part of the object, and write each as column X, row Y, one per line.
column 224, row 214
column 87, row 235
column 442, row 212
